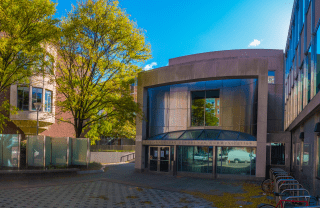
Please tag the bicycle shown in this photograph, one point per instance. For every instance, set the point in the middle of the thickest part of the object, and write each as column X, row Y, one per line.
column 283, row 203
column 313, row 202
column 268, row 184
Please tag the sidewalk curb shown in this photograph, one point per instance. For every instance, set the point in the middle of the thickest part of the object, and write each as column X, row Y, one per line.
column 89, row 171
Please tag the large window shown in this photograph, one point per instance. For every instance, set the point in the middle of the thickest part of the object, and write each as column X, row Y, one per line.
column 236, row 160
column 277, row 153
column 205, row 106
column 48, row 101
column 23, row 98
column 195, row 159
column 36, row 96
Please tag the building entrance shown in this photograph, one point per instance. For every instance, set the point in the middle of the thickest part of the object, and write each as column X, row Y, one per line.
column 159, row 158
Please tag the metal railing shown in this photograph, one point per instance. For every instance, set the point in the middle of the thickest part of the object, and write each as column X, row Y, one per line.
column 127, row 157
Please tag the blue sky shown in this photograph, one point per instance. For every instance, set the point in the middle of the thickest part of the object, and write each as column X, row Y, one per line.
column 178, row 28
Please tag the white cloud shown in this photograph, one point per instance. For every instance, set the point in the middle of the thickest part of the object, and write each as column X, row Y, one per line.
column 150, row 66
column 254, row 43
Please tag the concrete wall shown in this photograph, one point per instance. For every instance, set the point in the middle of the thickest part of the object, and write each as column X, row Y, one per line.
column 306, row 172
column 109, row 157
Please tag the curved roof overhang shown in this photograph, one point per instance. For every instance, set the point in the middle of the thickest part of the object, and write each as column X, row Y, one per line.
column 205, row 134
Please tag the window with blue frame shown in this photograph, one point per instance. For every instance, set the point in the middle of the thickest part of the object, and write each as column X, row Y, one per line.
column 36, row 96
column 48, row 101
column 317, row 61
column 303, row 11
column 309, row 74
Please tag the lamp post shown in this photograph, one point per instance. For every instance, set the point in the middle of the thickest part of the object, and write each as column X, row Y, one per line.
column 38, row 108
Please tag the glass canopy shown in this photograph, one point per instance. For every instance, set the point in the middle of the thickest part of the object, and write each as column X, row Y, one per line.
column 205, row 134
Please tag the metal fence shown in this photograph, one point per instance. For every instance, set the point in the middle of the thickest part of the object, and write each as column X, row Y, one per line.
column 10, row 150
column 43, row 151
column 99, row 148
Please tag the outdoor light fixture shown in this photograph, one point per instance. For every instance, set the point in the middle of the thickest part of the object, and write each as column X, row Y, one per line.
column 301, row 136
column 38, row 108
column 317, row 127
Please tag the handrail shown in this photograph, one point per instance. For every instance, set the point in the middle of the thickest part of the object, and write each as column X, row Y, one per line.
column 127, row 157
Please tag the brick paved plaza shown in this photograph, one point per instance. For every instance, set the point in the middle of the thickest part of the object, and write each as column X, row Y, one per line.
column 118, row 186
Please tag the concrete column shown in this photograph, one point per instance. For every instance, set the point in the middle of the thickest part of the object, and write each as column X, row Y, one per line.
column 141, row 131
column 262, row 123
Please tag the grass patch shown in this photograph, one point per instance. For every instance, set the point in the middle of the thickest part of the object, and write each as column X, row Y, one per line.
column 229, row 200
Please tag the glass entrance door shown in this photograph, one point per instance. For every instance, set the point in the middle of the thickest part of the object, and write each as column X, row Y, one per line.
column 159, row 159
column 153, row 159
column 164, row 159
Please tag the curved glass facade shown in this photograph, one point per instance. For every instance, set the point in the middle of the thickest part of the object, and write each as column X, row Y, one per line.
column 205, row 134
column 229, row 104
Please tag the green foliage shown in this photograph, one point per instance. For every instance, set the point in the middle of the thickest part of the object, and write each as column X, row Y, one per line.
column 100, row 50
column 6, row 107
column 198, row 106
column 26, row 26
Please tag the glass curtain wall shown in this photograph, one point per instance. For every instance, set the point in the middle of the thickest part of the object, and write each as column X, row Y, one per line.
column 236, row 160
column 195, row 159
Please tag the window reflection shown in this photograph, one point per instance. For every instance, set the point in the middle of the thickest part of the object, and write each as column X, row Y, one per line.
column 195, row 159
column 298, row 153
column 236, row 160
column 309, row 75
column 36, row 96
column 23, row 98
column 205, row 105
column 306, row 154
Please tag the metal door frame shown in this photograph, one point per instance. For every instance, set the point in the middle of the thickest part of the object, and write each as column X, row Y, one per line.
column 159, row 157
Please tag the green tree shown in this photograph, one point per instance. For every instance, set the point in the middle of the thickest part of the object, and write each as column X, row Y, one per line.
column 203, row 113
column 100, row 51
column 26, row 26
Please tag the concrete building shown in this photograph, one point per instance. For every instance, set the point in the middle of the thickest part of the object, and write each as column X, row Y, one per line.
column 268, row 116
column 302, row 100
column 210, row 113
column 23, row 96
